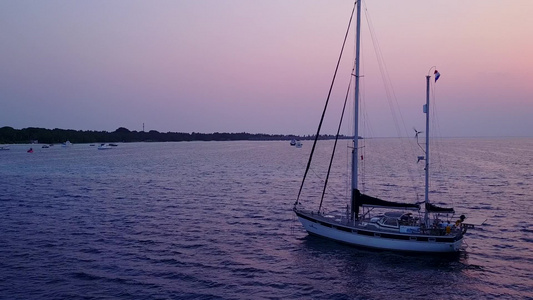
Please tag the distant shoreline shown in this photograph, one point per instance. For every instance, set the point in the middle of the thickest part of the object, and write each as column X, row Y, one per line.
column 9, row 135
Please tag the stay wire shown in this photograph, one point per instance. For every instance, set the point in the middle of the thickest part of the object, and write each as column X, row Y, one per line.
column 334, row 146
column 326, row 106
column 390, row 95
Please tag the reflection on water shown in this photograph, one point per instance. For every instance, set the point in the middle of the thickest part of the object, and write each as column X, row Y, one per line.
column 214, row 220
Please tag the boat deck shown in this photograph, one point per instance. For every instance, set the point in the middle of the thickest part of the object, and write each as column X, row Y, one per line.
column 370, row 224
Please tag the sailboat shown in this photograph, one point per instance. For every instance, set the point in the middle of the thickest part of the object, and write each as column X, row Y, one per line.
column 406, row 227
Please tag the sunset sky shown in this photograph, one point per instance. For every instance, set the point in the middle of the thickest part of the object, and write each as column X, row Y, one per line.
column 262, row 66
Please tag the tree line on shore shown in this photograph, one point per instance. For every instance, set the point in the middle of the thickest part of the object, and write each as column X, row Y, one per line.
column 9, row 135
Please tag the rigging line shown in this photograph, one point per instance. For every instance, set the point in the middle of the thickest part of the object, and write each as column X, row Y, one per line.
column 438, row 166
column 366, row 129
column 326, row 106
column 348, row 179
column 389, row 90
column 437, row 129
column 382, row 68
column 335, row 145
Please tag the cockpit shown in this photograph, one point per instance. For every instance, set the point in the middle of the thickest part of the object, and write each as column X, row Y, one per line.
column 393, row 220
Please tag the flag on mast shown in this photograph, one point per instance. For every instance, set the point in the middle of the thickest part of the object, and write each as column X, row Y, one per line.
column 437, row 75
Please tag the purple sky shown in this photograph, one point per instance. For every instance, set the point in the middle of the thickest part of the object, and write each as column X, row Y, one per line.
column 261, row 66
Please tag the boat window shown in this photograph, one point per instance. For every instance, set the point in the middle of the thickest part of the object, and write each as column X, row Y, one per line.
column 391, row 222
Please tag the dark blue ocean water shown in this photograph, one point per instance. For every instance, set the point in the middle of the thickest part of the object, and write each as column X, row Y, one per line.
column 213, row 220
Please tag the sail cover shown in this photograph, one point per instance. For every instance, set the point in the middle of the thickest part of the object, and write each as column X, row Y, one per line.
column 369, row 201
column 436, row 209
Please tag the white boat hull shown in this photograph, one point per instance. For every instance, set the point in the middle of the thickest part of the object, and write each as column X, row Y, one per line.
column 378, row 241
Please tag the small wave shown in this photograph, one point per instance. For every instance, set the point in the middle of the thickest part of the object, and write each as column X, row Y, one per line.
column 85, row 276
column 90, row 250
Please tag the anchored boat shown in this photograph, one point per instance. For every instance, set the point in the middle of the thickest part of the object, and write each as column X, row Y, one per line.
column 412, row 227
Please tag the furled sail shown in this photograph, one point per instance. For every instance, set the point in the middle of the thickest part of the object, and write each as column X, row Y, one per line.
column 369, row 201
column 436, row 209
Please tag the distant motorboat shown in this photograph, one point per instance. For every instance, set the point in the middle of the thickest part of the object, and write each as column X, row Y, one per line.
column 66, row 144
column 4, row 148
column 113, row 145
column 104, row 147
column 45, row 146
column 298, row 144
column 293, row 142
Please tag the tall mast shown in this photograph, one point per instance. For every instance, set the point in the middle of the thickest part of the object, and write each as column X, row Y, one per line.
column 356, row 107
column 426, row 111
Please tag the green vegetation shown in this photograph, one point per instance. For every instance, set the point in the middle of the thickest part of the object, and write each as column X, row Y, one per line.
column 9, row 135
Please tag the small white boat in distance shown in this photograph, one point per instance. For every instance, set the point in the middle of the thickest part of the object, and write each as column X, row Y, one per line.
column 104, row 147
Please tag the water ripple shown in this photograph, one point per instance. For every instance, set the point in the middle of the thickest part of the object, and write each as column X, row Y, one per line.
column 213, row 221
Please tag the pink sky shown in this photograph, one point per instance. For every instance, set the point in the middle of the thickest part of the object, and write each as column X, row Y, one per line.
column 260, row 66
